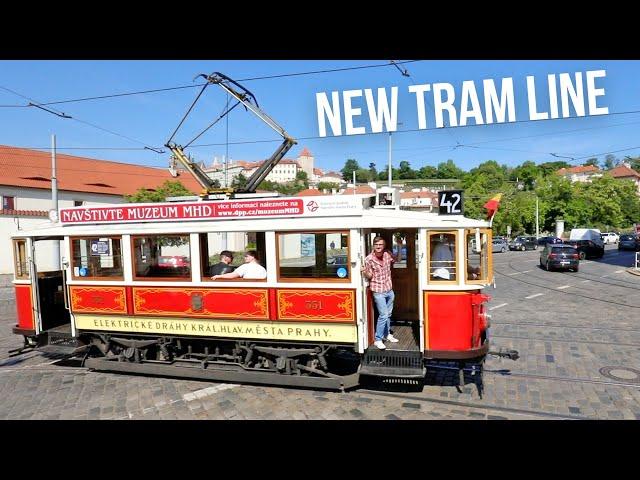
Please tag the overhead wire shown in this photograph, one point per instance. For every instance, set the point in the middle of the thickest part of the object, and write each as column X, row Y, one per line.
column 248, row 79
column 393, row 63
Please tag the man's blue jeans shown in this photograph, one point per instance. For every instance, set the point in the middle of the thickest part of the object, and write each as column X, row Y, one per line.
column 384, row 304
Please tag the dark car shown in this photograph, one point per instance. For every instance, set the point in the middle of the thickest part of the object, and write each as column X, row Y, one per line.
column 546, row 240
column 629, row 242
column 587, row 248
column 523, row 243
column 560, row 256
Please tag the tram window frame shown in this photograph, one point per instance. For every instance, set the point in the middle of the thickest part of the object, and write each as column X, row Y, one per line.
column 182, row 278
column 314, row 279
column 74, row 264
column 441, row 281
column 205, row 265
column 20, row 259
column 486, row 255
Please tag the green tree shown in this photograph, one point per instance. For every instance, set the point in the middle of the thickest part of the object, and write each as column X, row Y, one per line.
column 610, row 161
column 239, row 181
column 373, row 172
column 350, row 166
column 170, row 188
column 449, row 169
column 592, row 161
column 302, row 179
column 527, row 173
column 405, row 172
column 548, row 168
column 428, row 172
column 327, row 186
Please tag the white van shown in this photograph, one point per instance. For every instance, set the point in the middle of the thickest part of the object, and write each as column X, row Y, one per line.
column 610, row 237
column 592, row 234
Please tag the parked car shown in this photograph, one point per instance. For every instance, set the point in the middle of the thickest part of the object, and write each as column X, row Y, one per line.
column 524, row 243
column 629, row 242
column 499, row 244
column 560, row 256
column 610, row 237
column 175, row 261
column 587, row 248
column 552, row 240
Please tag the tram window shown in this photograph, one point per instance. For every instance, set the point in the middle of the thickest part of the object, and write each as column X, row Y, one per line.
column 161, row 256
column 308, row 255
column 400, row 250
column 477, row 261
column 20, row 258
column 96, row 257
column 442, row 257
column 213, row 243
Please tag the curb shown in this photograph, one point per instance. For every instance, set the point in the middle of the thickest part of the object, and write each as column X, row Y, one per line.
column 634, row 271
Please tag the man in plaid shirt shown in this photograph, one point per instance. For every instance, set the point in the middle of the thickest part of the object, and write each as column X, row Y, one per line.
column 377, row 269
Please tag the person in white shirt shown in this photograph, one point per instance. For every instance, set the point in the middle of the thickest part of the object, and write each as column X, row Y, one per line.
column 249, row 270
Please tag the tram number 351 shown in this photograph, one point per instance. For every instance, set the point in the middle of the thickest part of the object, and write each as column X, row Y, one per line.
column 313, row 305
column 450, row 202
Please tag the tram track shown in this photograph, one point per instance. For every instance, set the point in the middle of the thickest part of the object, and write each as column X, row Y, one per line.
column 508, row 373
column 593, row 277
column 560, row 340
column 554, row 289
column 551, row 325
column 491, row 407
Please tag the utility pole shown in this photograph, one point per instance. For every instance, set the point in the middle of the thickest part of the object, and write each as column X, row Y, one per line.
column 54, row 201
column 537, row 231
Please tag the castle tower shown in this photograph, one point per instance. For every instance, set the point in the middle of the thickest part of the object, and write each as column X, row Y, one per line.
column 305, row 159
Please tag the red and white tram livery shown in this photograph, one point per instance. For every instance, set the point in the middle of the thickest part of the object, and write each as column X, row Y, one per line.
column 134, row 292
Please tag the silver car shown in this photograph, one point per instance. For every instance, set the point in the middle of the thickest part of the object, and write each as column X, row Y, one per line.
column 499, row 245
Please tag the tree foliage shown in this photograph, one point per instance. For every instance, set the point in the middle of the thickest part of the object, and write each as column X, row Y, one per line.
column 170, row 188
column 350, row 166
column 605, row 203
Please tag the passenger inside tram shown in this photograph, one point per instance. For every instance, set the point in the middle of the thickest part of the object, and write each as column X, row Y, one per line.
column 224, row 265
column 442, row 263
column 249, row 270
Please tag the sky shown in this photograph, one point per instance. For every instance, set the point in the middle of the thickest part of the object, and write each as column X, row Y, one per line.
column 119, row 128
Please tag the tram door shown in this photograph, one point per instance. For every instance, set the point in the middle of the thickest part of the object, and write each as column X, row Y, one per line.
column 404, row 273
column 48, row 285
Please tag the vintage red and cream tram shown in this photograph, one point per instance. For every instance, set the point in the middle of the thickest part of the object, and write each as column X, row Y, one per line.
column 133, row 291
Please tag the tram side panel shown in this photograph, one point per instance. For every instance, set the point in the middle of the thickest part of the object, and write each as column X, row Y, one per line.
column 24, row 310
column 309, row 315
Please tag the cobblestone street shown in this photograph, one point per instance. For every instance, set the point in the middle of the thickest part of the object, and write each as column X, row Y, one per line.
column 579, row 347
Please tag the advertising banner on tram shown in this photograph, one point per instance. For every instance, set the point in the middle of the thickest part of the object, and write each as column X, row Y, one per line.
column 225, row 210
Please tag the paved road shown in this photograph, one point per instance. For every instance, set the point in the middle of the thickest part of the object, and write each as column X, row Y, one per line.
column 572, row 330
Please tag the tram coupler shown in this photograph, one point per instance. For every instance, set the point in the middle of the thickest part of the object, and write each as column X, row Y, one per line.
column 505, row 353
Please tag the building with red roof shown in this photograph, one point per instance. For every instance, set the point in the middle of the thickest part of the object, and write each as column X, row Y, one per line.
column 25, row 187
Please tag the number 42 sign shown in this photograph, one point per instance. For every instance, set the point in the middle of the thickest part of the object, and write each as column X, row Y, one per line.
column 450, row 202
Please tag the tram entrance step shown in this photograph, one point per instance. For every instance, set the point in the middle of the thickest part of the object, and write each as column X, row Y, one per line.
column 393, row 363
column 59, row 341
